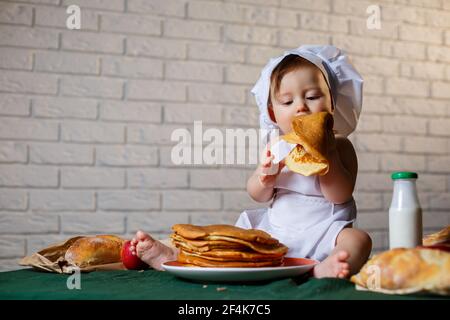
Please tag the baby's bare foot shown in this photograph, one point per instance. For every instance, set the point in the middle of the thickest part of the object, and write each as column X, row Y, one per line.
column 151, row 251
column 334, row 266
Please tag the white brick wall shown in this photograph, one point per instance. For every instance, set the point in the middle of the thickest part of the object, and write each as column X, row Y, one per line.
column 86, row 115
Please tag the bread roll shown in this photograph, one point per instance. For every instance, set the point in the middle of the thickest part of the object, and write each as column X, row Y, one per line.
column 95, row 250
column 441, row 237
column 406, row 270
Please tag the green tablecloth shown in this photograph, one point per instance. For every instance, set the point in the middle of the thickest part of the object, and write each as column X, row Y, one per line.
column 151, row 284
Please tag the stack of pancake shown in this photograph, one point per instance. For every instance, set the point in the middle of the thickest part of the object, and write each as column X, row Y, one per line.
column 226, row 246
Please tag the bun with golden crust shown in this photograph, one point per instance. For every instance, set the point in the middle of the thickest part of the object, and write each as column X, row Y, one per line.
column 441, row 237
column 95, row 250
column 403, row 271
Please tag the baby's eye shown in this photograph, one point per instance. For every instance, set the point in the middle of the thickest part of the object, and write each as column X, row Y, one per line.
column 313, row 98
column 288, row 102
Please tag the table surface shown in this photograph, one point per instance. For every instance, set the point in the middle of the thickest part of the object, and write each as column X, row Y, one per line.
column 151, row 284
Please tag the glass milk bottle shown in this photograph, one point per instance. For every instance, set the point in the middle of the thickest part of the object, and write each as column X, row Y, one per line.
column 405, row 213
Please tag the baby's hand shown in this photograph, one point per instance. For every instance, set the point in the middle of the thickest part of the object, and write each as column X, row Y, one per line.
column 268, row 171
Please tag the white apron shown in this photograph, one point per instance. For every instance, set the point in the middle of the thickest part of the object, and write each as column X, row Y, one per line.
column 300, row 217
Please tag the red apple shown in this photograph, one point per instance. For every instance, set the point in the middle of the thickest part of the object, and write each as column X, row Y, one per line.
column 130, row 261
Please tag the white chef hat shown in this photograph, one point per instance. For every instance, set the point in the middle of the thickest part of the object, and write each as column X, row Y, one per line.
column 344, row 82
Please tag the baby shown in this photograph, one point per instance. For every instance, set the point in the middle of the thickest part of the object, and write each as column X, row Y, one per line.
column 313, row 215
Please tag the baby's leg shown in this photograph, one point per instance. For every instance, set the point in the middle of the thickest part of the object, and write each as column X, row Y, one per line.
column 358, row 244
column 151, row 251
column 352, row 249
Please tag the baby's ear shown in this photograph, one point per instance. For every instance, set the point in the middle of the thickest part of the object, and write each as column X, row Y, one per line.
column 271, row 114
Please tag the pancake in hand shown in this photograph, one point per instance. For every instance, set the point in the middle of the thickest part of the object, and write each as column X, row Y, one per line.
column 312, row 134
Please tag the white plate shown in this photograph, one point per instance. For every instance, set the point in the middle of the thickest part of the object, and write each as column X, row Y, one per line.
column 291, row 267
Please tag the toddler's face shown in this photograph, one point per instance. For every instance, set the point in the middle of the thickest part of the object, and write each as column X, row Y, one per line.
column 302, row 91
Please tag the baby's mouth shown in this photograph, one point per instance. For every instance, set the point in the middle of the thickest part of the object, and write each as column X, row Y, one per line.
column 302, row 114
